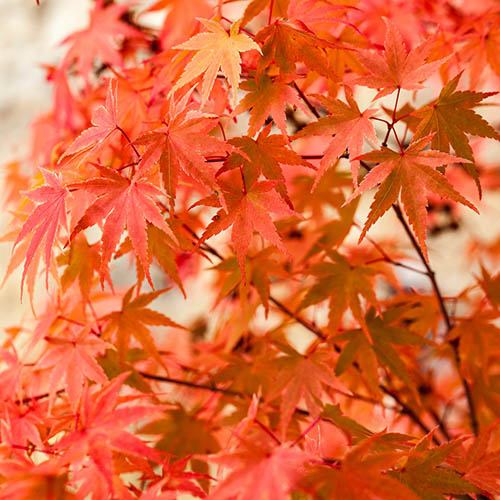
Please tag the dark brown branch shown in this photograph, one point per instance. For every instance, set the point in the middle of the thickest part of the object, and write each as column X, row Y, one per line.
column 449, row 324
column 131, row 144
column 308, row 103
column 192, row 385
column 299, row 319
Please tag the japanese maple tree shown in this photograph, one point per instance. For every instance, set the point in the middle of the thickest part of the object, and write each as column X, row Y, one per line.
column 215, row 310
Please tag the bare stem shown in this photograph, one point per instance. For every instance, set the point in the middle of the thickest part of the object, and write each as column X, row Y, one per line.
column 192, row 385
column 308, row 103
column 447, row 319
column 131, row 144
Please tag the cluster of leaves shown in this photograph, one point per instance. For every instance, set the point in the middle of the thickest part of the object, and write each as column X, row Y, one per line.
column 222, row 157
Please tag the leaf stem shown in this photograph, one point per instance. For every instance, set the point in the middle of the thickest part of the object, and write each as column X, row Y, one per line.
column 271, row 8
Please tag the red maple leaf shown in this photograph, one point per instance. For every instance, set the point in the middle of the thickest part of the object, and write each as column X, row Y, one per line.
column 44, row 221
column 398, row 67
column 180, row 146
column 99, row 39
column 261, row 470
column 72, row 360
column 101, row 429
column 123, row 203
column 248, row 210
column 104, row 123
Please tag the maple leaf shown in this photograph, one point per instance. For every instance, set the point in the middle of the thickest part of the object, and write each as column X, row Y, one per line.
column 408, row 174
column 418, row 313
column 426, row 474
column 160, row 249
column 480, row 36
column 490, row 283
column 25, row 480
column 285, row 46
column 173, row 428
column 319, row 16
column 258, row 268
column 216, row 49
column 44, row 221
column 277, row 8
column 353, row 283
column 181, row 145
column 122, row 202
column 265, row 155
column 267, row 97
column 300, row 377
column 262, row 471
column 104, row 124
column 248, row 210
column 450, row 117
column 353, row 430
column 479, row 344
column 176, row 479
column 383, row 340
column 82, row 260
column 397, row 68
column 362, row 472
column 133, row 320
column 350, row 126
column 101, row 430
column 478, row 465
column 73, row 361
column 98, row 40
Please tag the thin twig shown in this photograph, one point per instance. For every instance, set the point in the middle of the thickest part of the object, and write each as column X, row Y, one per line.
column 449, row 324
column 308, row 103
column 131, row 144
column 192, row 385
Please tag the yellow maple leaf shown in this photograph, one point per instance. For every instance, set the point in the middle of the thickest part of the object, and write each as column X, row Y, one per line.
column 216, row 49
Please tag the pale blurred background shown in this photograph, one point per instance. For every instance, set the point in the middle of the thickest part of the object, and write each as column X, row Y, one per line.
column 30, row 36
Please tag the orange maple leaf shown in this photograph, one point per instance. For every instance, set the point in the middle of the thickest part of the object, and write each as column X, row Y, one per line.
column 265, row 155
column 408, row 175
column 248, row 209
column 480, row 463
column 354, row 283
column 216, row 49
column 180, row 146
column 267, row 97
column 133, row 320
column 285, row 46
column 350, row 126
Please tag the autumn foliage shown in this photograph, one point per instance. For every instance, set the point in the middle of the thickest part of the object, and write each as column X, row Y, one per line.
column 214, row 311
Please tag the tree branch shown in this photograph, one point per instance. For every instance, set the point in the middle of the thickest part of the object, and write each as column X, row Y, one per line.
column 449, row 324
column 308, row 103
